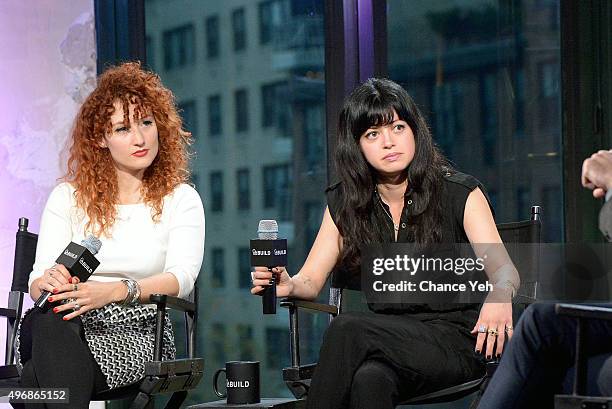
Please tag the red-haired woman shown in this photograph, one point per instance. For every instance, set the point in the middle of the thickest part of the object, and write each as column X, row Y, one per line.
column 126, row 184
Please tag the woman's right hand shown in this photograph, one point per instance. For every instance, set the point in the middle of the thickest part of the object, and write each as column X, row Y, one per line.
column 53, row 277
column 262, row 276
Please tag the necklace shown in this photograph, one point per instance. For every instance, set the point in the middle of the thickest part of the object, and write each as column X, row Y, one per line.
column 395, row 226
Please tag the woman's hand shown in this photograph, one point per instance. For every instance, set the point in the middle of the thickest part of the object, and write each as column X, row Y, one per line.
column 262, row 277
column 53, row 278
column 493, row 325
column 87, row 296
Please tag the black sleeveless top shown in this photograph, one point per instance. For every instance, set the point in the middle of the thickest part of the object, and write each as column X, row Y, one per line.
column 457, row 186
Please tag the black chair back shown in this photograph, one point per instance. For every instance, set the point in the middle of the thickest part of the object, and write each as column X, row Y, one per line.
column 25, row 253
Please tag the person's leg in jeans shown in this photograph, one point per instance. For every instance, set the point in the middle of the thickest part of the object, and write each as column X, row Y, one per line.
column 534, row 364
column 58, row 357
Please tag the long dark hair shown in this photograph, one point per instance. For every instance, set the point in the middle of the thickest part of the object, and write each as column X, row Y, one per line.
column 373, row 104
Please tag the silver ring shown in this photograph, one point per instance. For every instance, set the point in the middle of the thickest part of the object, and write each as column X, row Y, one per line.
column 76, row 306
column 482, row 329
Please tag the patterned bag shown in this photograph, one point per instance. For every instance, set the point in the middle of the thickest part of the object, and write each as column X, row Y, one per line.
column 121, row 339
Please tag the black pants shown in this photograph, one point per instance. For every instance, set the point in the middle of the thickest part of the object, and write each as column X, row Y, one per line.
column 56, row 355
column 371, row 361
column 535, row 363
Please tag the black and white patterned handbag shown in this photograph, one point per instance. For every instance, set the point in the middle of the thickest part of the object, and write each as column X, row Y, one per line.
column 121, row 339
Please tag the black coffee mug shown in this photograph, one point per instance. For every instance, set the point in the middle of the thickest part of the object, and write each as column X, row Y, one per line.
column 241, row 382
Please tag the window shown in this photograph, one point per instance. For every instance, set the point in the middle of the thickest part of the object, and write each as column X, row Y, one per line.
column 179, row 47
column 488, row 117
column 275, row 106
column 241, row 103
column 246, row 343
column 219, row 342
column 276, row 190
column 212, row 37
column 214, row 115
column 189, row 114
column 239, row 29
column 272, row 14
column 244, row 267
column 150, row 52
column 522, row 203
column 218, row 267
column 277, row 348
column 244, row 194
column 314, row 137
column 216, row 191
column 314, row 214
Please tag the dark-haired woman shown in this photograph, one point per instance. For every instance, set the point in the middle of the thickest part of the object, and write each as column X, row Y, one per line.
column 395, row 186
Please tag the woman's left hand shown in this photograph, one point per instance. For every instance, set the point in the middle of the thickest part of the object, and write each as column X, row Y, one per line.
column 86, row 296
column 494, row 323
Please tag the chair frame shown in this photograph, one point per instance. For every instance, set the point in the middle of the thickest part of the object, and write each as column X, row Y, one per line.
column 297, row 376
column 172, row 376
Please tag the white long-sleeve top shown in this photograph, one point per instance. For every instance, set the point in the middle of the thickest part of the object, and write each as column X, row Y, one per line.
column 137, row 247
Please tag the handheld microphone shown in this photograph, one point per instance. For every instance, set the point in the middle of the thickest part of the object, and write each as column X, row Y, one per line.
column 79, row 260
column 268, row 251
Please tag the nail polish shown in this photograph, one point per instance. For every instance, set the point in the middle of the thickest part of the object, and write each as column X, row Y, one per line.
column 70, row 280
column 56, row 309
column 50, row 299
column 55, row 291
column 65, row 318
column 488, row 357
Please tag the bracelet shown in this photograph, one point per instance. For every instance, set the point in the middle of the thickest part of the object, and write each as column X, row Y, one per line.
column 134, row 292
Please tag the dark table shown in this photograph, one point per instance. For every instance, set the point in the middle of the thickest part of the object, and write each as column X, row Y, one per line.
column 276, row 403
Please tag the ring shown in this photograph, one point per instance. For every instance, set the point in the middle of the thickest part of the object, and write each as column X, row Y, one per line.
column 252, row 276
column 482, row 329
column 493, row 331
column 76, row 306
column 509, row 328
column 75, row 287
column 51, row 272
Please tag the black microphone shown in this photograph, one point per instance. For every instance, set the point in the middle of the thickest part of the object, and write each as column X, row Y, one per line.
column 269, row 251
column 79, row 260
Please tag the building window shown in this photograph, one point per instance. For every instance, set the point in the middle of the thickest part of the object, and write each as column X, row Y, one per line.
column 219, row 341
column 313, row 214
column 272, row 15
column 189, row 114
column 218, row 267
column 216, row 191
column 246, row 342
column 241, row 103
column 277, row 348
column 277, row 196
column 244, row 194
column 212, row 37
column 275, row 111
column 523, row 209
column 244, row 267
column 150, row 53
column 179, row 47
column 488, row 115
column 239, row 29
column 314, row 136
column 214, row 115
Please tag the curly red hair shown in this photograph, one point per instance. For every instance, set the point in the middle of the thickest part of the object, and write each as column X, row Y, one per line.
column 90, row 167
